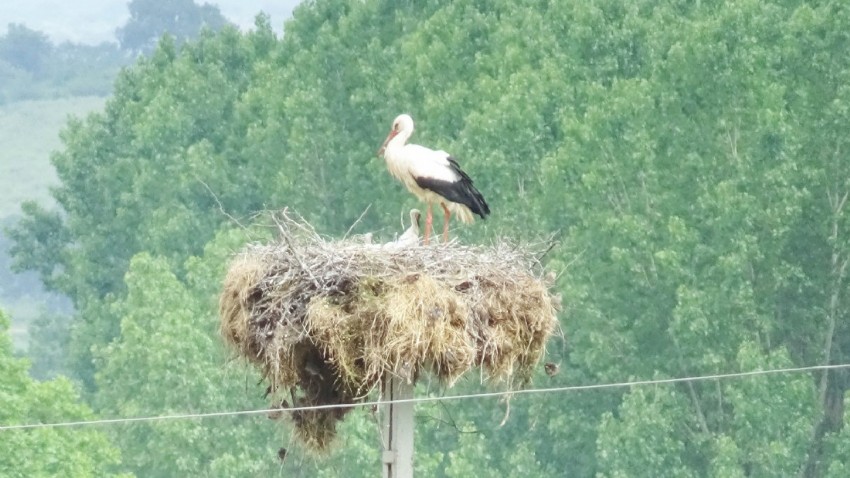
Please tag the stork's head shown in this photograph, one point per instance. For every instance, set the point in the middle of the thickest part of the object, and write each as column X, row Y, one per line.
column 415, row 217
column 402, row 125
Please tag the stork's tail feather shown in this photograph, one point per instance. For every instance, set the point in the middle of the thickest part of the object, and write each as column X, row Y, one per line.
column 474, row 200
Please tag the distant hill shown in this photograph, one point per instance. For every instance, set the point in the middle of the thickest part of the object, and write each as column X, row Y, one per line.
column 29, row 131
column 94, row 21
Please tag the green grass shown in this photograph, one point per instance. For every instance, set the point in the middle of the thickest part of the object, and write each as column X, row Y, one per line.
column 29, row 132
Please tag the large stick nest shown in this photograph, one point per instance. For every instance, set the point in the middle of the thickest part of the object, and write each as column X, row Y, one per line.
column 325, row 320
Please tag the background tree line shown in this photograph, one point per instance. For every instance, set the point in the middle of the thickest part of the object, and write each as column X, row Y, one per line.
column 691, row 155
column 34, row 67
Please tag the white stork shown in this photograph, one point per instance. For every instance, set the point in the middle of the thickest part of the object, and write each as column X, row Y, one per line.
column 432, row 176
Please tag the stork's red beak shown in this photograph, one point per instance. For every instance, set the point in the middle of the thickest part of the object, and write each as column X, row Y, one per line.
column 384, row 146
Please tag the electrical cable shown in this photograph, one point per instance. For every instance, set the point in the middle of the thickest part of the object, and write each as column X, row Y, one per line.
column 571, row 388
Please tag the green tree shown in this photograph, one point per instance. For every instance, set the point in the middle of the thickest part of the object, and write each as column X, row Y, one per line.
column 689, row 231
column 84, row 70
column 47, row 345
column 150, row 19
column 43, row 452
column 171, row 336
column 25, row 48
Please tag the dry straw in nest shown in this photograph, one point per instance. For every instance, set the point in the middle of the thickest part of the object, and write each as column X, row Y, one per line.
column 325, row 320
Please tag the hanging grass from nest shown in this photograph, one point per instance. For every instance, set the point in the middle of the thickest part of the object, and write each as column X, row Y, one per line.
column 325, row 320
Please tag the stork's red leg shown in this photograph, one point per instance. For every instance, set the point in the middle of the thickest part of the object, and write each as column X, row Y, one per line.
column 429, row 219
column 446, row 219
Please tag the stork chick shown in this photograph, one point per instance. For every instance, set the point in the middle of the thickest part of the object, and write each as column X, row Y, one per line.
column 411, row 235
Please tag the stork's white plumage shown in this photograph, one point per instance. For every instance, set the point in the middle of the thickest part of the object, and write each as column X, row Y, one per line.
column 432, row 176
column 411, row 235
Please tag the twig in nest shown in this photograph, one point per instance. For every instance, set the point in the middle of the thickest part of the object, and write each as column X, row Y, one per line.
column 450, row 422
column 552, row 244
column 344, row 237
column 286, row 237
column 220, row 206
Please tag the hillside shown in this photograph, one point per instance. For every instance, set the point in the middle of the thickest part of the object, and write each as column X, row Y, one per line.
column 29, row 131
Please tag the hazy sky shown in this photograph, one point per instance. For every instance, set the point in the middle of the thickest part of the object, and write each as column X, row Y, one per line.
column 95, row 21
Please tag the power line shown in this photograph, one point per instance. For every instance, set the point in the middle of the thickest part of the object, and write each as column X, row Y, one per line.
column 572, row 388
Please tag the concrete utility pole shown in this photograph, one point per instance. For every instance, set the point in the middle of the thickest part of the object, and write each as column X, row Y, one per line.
column 397, row 428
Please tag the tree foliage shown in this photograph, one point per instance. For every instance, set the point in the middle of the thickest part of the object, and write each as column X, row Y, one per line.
column 33, row 67
column 150, row 19
column 167, row 333
column 42, row 452
column 691, row 157
column 24, row 48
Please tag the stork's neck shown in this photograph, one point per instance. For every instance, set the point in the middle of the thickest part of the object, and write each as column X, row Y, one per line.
column 399, row 140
